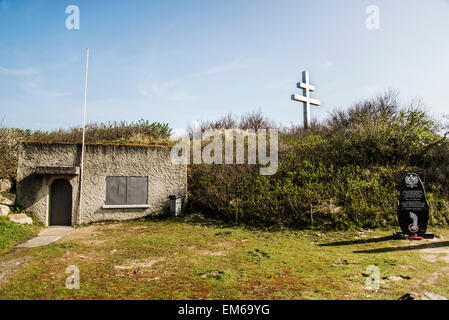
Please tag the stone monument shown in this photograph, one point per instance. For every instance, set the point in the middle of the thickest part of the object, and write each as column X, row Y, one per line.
column 413, row 208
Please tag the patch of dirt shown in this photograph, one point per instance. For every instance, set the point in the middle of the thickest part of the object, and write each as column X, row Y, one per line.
column 213, row 253
column 228, row 245
column 340, row 262
column 397, row 278
column 9, row 266
column 85, row 233
column 435, row 254
column 138, row 264
column 223, row 248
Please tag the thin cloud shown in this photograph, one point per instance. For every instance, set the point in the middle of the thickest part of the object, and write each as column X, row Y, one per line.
column 285, row 83
column 20, row 72
column 32, row 83
column 33, row 87
column 170, row 89
column 165, row 90
column 236, row 64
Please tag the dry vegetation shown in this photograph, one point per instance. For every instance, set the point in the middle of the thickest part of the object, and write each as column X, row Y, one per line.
column 141, row 132
column 345, row 170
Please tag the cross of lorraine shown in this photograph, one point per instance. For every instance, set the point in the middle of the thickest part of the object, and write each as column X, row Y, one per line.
column 306, row 99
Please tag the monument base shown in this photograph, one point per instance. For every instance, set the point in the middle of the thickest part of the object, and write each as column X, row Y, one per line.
column 418, row 236
column 427, row 235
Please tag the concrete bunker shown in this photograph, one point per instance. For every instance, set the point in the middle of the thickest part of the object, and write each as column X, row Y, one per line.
column 120, row 182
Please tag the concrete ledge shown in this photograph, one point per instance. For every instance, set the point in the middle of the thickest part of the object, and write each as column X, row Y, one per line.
column 58, row 170
column 126, row 206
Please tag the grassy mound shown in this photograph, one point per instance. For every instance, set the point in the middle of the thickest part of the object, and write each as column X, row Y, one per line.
column 12, row 233
column 342, row 173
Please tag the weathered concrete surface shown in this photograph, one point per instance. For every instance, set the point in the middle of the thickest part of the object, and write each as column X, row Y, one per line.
column 100, row 161
column 20, row 218
column 47, row 236
column 4, row 210
column 64, row 170
column 5, row 185
column 7, row 198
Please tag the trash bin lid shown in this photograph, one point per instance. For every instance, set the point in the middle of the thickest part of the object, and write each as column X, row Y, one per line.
column 174, row 197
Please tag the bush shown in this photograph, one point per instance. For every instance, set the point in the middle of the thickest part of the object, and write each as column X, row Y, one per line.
column 344, row 171
column 12, row 233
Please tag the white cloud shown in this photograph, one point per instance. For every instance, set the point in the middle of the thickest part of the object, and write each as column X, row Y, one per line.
column 165, row 90
column 170, row 89
column 32, row 83
column 20, row 72
column 33, row 87
column 286, row 83
column 236, row 64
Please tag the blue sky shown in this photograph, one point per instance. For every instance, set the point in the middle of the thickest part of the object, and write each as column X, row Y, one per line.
column 181, row 61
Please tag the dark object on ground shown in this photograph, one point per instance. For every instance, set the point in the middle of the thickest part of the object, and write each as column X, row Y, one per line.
column 421, row 296
column 419, row 236
column 413, row 209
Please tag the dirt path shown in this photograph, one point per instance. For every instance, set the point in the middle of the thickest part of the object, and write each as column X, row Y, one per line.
column 435, row 255
column 13, row 261
column 9, row 264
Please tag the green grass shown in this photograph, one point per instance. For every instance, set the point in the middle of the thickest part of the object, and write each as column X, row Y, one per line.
column 12, row 233
column 178, row 259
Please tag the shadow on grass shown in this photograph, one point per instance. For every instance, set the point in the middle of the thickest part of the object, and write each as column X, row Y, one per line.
column 405, row 248
column 353, row 242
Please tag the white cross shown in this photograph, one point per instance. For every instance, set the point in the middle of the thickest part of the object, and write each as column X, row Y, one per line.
column 307, row 88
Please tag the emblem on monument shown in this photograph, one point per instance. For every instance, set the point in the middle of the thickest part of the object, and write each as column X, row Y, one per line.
column 412, row 180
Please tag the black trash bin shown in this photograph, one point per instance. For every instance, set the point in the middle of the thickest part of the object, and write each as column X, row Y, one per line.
column 175, row 204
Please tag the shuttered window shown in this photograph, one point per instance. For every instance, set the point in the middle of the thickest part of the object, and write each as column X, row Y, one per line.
column 126, row 190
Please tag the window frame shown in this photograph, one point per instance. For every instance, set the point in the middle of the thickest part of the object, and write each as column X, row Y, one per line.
column 127, row 191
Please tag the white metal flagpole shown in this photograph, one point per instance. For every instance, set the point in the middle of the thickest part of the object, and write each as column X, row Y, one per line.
column 83, row 139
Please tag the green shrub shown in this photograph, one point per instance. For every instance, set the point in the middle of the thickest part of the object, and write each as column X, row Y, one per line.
column 344, row 172
column 12, row 233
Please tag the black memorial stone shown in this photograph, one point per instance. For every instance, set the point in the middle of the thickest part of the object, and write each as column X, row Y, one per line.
column 413, row 210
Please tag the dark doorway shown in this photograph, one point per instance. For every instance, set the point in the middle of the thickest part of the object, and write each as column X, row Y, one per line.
column 61, row 203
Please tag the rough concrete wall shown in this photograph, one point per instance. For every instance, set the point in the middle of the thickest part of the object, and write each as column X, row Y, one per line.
column 100, row 161
column 32, row 189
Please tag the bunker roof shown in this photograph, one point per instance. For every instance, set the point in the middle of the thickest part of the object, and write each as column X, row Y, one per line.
column 105, row 144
